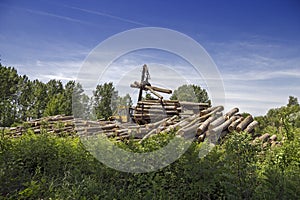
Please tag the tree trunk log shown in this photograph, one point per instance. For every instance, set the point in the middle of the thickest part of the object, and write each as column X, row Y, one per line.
column 234, row 124
column 264, row 137
column 273, row 138
column 203, row 127
column 244, row 123
column 251, row 126
column 231, row 112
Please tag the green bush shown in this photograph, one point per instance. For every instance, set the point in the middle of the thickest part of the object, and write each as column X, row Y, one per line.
column 51, row 167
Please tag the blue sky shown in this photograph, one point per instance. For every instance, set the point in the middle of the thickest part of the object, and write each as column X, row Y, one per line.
column 255, row 44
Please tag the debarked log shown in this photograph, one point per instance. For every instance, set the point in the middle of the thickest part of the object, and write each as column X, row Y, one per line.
column 251, row 126
column 273, row 138
column 222, row 127
column 234, row 124
column 244, row 123
column 264, row 137
column 231, row 112
column 211, row 110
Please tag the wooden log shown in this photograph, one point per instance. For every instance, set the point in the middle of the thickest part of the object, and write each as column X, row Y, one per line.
column 251, row 126
column 274, row 143
column 182, row 123
column 203, row 127
column 153, row 92
column 223, row 126
column 212, row 109
column 172, row 119
column 163, row 90
column 220, row 120
column 60, row 118
column 188, row 132
column 190, row 128
column 157, row 111
column 234, row 124
column 120, row 131
column 164, row 103
column 231, row 112
column 150, row 107
column 264, row 137
column 158, row 101
column 95, row 129
column 193, row 104
column 201, row 137
column 138, row 133
column 156, row 124
column 136, row 126
column 152, row 132
column 244, row 123
column 37, row 131
column 273, row 138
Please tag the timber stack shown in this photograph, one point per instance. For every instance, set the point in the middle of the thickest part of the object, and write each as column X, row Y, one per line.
column 209, row 124
column 153, row 110
column 59, row 125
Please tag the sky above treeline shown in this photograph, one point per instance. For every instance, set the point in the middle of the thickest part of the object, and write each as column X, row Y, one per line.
column 254, row 44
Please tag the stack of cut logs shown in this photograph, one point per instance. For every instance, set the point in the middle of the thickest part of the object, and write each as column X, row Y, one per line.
column 153, row 110
column 59, row 125
column 209, row 124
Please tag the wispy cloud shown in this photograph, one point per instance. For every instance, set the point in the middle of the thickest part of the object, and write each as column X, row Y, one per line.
column 48, row 14
column 258, row 74
column 66, row 18
column 263, row 75
column 103, row 14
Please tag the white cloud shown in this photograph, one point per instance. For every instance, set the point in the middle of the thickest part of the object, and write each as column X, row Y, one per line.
column 258, row 75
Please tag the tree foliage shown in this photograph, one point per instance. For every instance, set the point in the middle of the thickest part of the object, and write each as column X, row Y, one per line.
column 192, row 93
column 105, row 98
column 22, row 99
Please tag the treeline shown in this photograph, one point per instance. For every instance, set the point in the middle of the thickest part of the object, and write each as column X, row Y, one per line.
column 22, row 99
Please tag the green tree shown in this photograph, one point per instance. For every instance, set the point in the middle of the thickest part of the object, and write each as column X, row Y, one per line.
column 25, row 98
column 191, row 93
column 8, row 95
column 104, row 96
column 239, row 178
column 54, row 87
column 80, row 102
column 54, row 106
column 293, row 101
column 67, row 97
column 124, row 101
column 39, row 99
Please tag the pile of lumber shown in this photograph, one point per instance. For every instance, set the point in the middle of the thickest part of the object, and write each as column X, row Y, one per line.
column 59, row 125
column 208, row 124
column 148, row 111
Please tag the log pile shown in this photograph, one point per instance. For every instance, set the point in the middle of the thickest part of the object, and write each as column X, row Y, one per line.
column 60, row 125
column 148, row 111
column 208, row 124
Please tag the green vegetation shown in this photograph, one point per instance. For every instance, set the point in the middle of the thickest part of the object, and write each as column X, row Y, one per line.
column 191, row 93
column 48, row 166
column 22, row 99
column 51, row 167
